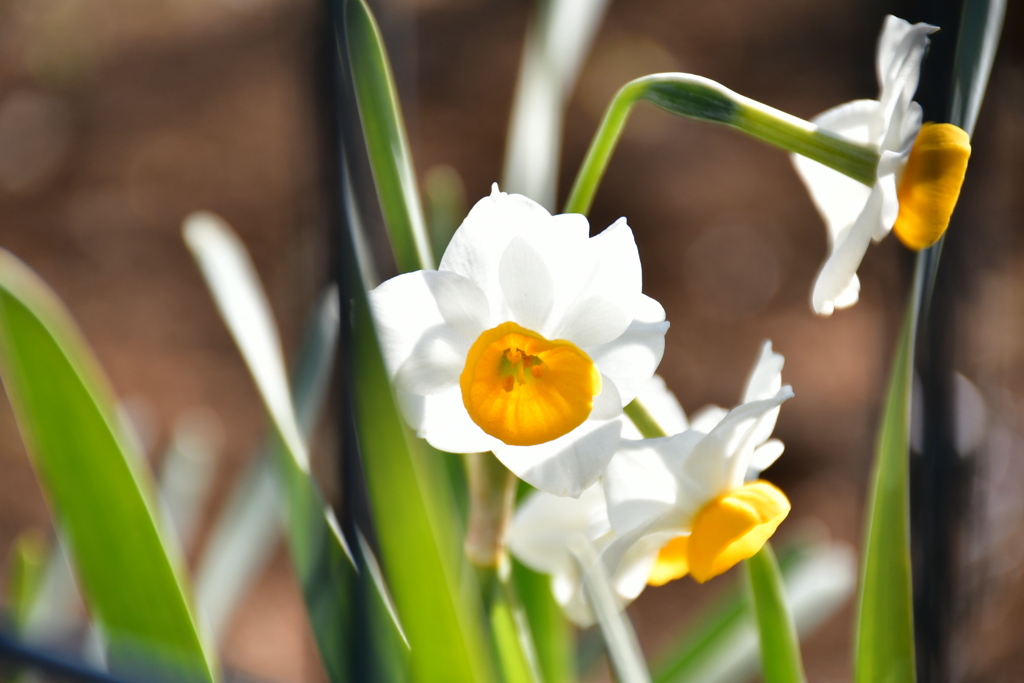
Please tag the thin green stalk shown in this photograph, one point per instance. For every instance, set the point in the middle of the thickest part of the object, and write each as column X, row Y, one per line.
column 644, row 421
column 704, row 100
column 780, row 646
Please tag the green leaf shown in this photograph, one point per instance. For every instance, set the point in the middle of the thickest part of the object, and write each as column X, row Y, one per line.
column 552, row 635
column 780, row 648
column 321, row 556
column 980, row 27
column 386, row 141
column 507, row 626
column 411, row 502
column 100, row 495
column 558, row 37
column 885, row 627
column 619, row 637
column 246, row 532
column 723, row 645
column 25, row 575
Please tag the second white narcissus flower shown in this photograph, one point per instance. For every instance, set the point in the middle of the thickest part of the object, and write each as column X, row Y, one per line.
column 919, row 173
column 694, row 500
column 545, row 527
column 527, row 341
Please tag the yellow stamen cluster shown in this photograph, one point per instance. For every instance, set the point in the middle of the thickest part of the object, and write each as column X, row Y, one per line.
column 930, row 185
column 730, row 528
column 525, row 389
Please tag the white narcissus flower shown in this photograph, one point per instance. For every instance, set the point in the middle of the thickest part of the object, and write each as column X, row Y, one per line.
column 543, row 532
column 694, row 499
column 658, row 488
column 527, row 341
column 919, row 173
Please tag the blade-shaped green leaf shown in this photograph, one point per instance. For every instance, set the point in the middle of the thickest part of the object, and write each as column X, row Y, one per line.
column 885, row 628
column 723, row 645
column 780, row 648
column 411, row 503
column 980, row 28
column 100, row 496
column 619, row 637
column 557, row 39
column 25, row 575
column 244, row 535
column 322, row 557
column 386, row 141
column 552, row 635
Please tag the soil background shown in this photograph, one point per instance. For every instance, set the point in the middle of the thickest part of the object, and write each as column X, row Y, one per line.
column 118, row 119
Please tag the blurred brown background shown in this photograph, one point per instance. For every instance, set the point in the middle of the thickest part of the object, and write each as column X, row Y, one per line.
column 119, row 118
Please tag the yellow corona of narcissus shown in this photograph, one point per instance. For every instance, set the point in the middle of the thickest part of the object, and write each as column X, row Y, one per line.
column 527, row 341
column 919, row 174
column 695, row 500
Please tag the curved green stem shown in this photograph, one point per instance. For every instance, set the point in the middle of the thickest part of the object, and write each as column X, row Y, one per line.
column 705, row 100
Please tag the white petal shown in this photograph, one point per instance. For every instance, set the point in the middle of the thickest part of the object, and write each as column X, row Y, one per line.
column 526, row 285
column 901, row 48
column 567, row 465
column 403, row 309
column 592, row 322
column 764, row 457
column 607, row 404
column 839, row 198
column 719, row 462
column 435, row 363
column 707, row 418
column 836, row 277
column 476, row 248
column 461, row 302
column 631, row 360
column 662, row 405
column 766, row 377
column 542, row 526
column 639, row 484
column 446, row 425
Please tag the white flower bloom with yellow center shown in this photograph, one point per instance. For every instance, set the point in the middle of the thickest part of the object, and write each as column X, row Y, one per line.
column 527, row 341
column 919, row 173
column 694, row 501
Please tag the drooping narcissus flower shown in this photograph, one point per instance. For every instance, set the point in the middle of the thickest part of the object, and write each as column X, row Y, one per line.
column 919, row 173
column 689, row 503
column 527, row 341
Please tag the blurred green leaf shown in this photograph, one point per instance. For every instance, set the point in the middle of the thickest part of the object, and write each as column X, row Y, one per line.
column 780, row 648
column 558, row 38
column 412, row 505
column 246, row 531
column 552, row 634
column 980, row 28
column 723, row 645
column 619, row 637
column 446, row 204
column 321, row 556
column 386, row 141
column 885, row 628
column 516, row 666
column 25, row 575
column 100, row 495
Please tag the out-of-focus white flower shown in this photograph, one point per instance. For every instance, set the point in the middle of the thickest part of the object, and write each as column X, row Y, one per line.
column 543, row 532
column 527, row 341
column 693, row 501
column 919, row 172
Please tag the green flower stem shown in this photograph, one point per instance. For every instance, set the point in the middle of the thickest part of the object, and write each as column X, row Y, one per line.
column 702, row 99
column 644, row 421
column 492, row 491
column 780, row 647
